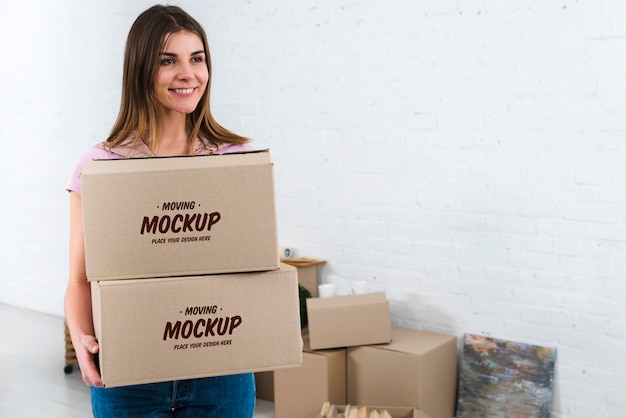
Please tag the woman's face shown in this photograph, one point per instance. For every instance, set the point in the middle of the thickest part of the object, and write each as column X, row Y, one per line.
column 183, row 74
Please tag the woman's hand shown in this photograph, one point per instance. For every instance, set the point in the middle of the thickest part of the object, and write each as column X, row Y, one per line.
column 86, row 355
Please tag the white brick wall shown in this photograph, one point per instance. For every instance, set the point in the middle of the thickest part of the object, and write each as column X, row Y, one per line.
column 467, row 156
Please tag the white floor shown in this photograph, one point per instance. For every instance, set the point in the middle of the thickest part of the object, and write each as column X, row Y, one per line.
column 32, row 380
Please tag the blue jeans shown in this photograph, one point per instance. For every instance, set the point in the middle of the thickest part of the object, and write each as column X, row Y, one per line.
column 231, row 396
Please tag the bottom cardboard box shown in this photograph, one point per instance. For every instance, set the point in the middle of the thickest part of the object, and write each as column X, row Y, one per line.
column 153, row 330
column 394, row 411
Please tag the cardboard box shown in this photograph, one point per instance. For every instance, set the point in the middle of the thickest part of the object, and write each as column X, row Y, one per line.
column 264, row 384
column 346, row 321
column 417, row 369
column 396, row 412
column 176, row 216
column 153, row 330
column 301, row 392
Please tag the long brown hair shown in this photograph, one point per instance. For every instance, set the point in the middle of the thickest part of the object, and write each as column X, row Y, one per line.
column 137, row 120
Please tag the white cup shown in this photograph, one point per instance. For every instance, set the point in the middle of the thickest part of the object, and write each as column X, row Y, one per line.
column 360, row 288
column 327, row 290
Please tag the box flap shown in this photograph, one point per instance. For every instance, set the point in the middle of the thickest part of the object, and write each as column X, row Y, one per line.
column 181, row 162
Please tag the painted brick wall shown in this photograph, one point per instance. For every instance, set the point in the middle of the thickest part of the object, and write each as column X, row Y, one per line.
column 465, row 156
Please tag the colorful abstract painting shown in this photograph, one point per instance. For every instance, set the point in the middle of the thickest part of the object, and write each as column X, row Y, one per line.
column 501, row 378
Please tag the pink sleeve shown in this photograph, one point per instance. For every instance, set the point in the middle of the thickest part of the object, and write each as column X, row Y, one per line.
column 93, row 153
column 235, row 148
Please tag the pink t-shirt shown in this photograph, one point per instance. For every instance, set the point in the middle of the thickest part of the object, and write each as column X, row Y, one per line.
column 98, row 153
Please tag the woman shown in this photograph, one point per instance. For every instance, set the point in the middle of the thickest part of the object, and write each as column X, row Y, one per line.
column 164, row 111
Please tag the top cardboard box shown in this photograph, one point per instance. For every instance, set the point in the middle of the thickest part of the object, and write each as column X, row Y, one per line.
column 176, row 216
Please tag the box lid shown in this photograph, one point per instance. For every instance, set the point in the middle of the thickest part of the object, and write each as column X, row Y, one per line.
column 180, row 162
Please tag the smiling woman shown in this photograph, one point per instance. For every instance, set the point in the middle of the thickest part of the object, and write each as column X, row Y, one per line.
column 166, row 86
column 164, row 111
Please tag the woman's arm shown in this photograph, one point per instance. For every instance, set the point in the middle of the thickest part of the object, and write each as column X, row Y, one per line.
column 78, row 314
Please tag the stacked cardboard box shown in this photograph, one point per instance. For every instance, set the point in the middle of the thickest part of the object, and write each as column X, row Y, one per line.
column 351, row 320
column 418, row 368
column 412, row 371
column 182, row 257
column 173, row 216
column 300, row 392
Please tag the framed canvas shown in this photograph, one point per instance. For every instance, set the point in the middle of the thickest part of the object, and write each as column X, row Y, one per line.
column 500, row 378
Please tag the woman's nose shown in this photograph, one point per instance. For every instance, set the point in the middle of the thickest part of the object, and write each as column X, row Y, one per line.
column 185, row 71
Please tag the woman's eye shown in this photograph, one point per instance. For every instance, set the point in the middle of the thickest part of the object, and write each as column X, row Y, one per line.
column 197, row 59
column 167, row 61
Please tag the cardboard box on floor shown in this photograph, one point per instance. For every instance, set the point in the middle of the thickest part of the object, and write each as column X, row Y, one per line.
column 352, row 320
column 395, row 412
column 417, row 369
column 153, row 330
column 301, row 392
column 176, row 216
column 264, row 384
